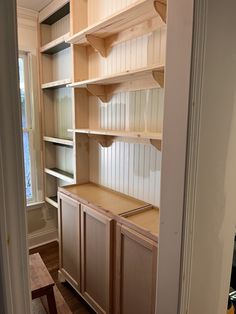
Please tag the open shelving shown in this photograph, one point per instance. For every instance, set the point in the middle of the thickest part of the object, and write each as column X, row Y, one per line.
column 105, row 87
column 96, row 34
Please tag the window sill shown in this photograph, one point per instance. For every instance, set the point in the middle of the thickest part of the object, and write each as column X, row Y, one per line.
column 33, row 206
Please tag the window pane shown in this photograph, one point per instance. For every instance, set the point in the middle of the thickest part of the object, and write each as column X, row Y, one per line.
column 27, row 163
column 22, row 92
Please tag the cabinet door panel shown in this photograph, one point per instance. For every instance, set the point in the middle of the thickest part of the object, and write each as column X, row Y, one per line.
column 69, row 233
column 96, row 259
column 135, row 272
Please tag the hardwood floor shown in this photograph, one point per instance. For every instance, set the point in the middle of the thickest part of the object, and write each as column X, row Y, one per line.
column 50, row 256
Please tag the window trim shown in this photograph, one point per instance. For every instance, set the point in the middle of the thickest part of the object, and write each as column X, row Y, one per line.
column 31, row 125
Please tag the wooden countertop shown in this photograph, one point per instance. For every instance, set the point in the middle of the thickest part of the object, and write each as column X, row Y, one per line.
column 103, row 198
column 147, row 219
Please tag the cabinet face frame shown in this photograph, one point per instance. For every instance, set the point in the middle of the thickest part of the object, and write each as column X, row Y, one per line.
column 108, row 223
column 123, row 231
column 76, row 282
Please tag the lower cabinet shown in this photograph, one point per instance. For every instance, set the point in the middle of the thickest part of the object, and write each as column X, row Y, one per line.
column 115, row 272
column 135, row 278
column 69, row 240
column 96, row 252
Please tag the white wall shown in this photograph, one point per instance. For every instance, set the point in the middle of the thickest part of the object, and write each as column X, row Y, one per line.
column 214, row 201
column 42, row 221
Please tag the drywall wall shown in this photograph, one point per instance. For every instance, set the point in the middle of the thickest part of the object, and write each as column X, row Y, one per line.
column 210, row 230
column 42, row 221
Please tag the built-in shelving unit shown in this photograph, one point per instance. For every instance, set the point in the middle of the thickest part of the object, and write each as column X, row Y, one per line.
column 137, row 13
column 102, row 81
column 56, row 99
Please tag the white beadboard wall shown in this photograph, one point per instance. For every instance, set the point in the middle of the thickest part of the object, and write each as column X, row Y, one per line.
column 99, row 9
column 131, row 168
column 132, row 54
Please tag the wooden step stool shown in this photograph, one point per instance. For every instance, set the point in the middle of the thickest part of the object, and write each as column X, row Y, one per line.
column 41, row 282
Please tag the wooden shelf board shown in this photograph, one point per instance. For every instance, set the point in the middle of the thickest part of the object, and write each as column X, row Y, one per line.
column 103, row 198
column 106, row 137
column 52, row 201
column 56, row 84
column 128, row 134
column 56, row 45
column 132, row 15
column 55, row 15
column 58, row 141
column 105, row 87
column 60, row 174
column 120, row 77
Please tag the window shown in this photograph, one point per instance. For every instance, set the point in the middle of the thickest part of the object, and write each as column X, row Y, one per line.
column 28, row 128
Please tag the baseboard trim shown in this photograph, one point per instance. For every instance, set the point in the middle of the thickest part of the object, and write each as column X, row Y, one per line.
column 42, row 238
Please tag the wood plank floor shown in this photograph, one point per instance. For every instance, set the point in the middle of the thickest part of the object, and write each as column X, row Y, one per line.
column 50, row 256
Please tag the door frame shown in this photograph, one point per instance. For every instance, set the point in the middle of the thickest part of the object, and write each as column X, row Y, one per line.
column 15, row 292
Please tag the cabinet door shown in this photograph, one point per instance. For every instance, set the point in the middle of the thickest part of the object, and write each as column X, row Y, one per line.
column 136, row 263
column 69, row 239
column 96, row 259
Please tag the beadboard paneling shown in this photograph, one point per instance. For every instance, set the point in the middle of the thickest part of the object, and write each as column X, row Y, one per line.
column 133, row 169
column 132, row 54
column 100, row 9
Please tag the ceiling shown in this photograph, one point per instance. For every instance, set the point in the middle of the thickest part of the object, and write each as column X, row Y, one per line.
column 36, row 5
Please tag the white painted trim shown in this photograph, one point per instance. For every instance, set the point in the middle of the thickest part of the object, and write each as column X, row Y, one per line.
column 13, row 244
column 43, row 237
column 177, row 84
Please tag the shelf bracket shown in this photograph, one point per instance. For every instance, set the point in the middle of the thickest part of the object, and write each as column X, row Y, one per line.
column 98, row 44
column 160, row 7
column 104, row 140
column 156, row 143
column 159, row 77
column 98, row 90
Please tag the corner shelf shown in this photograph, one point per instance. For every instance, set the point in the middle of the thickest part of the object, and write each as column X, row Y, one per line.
column 106, row 137
column 58, row 141
column 56, row 84
column 60, row 174
column 56, row 45
column 134, row 14
column 52, row 201
column 105, row 87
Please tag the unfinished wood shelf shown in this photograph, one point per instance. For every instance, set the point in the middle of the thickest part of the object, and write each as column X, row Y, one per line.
column 56, row 84
column 58, row 141
column 105, row 87
column 106, row 137
column 52, row 201
column 96, row 34
column 56, row 45
column 60, row 174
